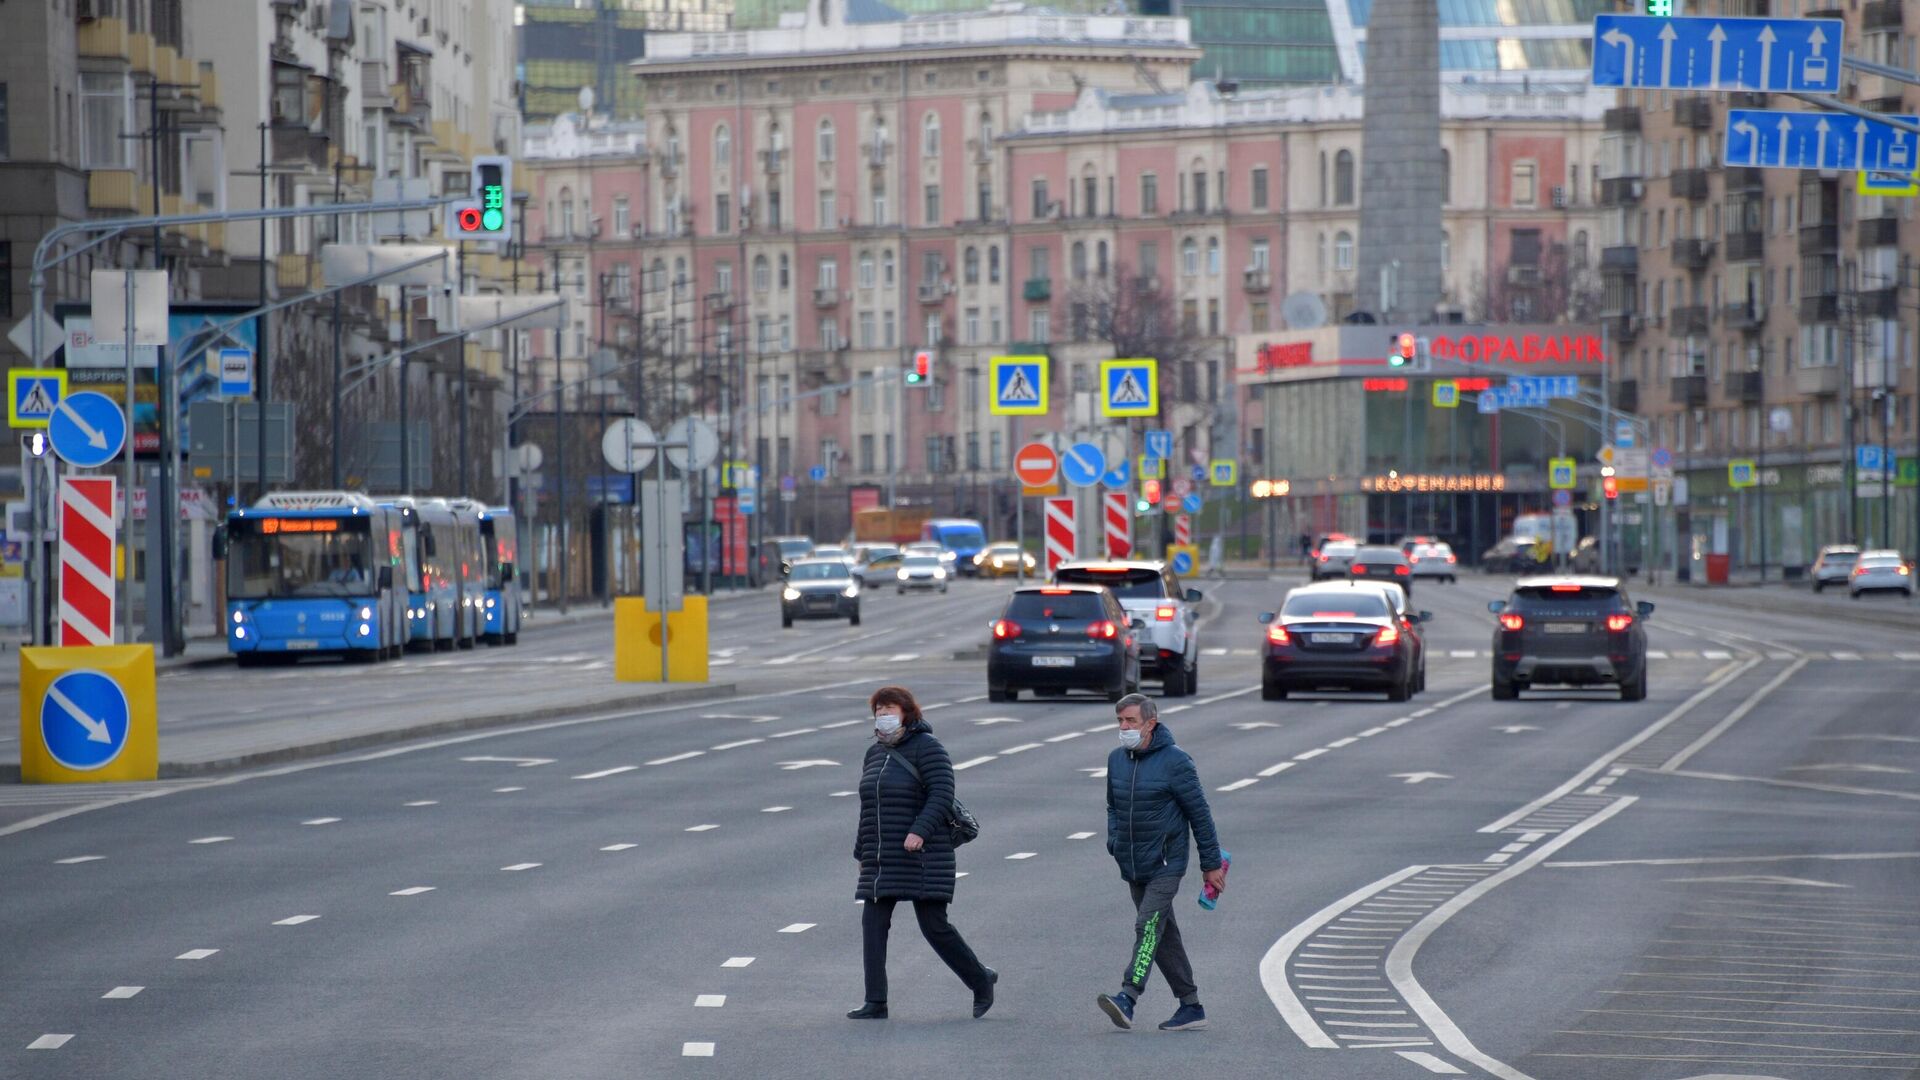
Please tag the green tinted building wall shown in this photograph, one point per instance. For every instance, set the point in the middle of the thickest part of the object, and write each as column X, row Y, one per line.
column 1275, row 42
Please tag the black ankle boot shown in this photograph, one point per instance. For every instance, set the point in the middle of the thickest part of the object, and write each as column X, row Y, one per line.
column 872, row 1010
column 983, row 997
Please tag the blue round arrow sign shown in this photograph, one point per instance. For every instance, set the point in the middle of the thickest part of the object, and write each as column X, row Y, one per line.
column 1191, row 504
column 1082, row 464
column 83, row 720
column 87, row 429
column 1120, row 476
column 1182, row 562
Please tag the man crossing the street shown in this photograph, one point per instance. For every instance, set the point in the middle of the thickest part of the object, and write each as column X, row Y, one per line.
column 1154, row 800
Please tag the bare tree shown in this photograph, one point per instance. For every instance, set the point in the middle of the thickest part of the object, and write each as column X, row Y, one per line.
column 1135, row 315
column 1550, row 291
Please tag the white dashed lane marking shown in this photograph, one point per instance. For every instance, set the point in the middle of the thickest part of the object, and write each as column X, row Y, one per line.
column 295, row 920
column 507, row 790
column 775, row 809
column 321, row 821
column 1430, row 1063
column 696, row 1049
column 737, row 743
column 78, row 859
column 618, row 847
column 1023, row 855
column 196, row 954
column 676, row 757
column 797, row 928
column 737, row 961
column 709, row 1001
column 1080, row 836
column 211, row 840
column 974, row 761
column 1238, row 784
column 521, row 866
column 412, row 890
column 49, row 1042
column 121, row 993
column 423, row 802
column 702, row 828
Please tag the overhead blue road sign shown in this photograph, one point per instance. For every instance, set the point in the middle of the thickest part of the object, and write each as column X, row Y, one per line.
column 1191, row 503
column 1710, row 53
column 1525, row 390
column 83, row 719
column 1776, row 139
column 88, row 429
column 1159, row 444
column 1491, row 400
column 1118, row 477
column 1083, row 464
column 817, row 473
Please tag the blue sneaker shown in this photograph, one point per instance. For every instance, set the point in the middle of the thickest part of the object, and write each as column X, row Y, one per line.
column 1119, row 1009
column 1189, row 1018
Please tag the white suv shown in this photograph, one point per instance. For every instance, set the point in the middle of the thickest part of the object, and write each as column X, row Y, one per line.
column 1151, row 593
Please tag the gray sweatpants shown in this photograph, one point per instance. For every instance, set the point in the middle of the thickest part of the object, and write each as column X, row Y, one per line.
column 1156, row 934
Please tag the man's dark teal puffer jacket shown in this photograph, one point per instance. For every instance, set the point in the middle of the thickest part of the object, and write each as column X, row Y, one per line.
column 1153, row 798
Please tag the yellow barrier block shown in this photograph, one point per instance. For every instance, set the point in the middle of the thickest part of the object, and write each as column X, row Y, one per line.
column 636, row 641
column 87, row 715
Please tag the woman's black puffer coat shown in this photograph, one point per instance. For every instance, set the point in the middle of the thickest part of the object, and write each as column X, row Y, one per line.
column 893, row 804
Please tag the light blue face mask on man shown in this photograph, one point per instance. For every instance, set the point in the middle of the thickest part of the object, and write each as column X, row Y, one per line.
column 1130, row 738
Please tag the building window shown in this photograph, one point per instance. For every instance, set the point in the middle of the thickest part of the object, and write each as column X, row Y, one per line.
column 6, row 142
column 1199, row 205
column 1149, row 193
column 866, row 271
column 879, row 202
column 1260, row 188
column 1213, row 317
column 993, row 450
column 722, row 147
column 1100, row 259
column 973, row 387
column 931, row 267
column 1343, row 250
column 1039, row 326
column 930, row 136
column 886, row 329
column 933, row 330
column 1189, row 257
column 993, row 324
column 1077, row 260
column 933, row 206
column 566, row 212
column 1189, row 325
column 886, row 268
column 993, row 266
column 973, row 451
column 773, row 210
column 829, row 336
column 1041, row 204
column 622, row 218
column 1257, row 317
column 826, row 144
column 1446, row 250
column 1446, row 176
column 723, row 214
column 866, row 337
column 1089, row 194
column 828, row 274
column 866, row 453
column 1213, row 256
column 824, row 217
column 1039, row 264
column 1525, row 183
column 970, row 265
column 1149, row 260
column 970, row 327
column 1257, row 258
column 984, row 195
column 786, row 276
column 1343, row 178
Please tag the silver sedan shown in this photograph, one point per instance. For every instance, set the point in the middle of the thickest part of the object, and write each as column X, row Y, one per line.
column 1880, row 571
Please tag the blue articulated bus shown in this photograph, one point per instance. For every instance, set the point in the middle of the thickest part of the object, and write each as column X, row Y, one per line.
column 313, row 572
column 500, row 588
column 441, row 548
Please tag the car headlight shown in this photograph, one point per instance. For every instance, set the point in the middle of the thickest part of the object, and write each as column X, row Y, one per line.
column 239, row 617
column 489, row 603
column 366, row 613
column 365, row 630
column 980, row 558
column 790, row 593
column 902, row 575
column 239, row 632
column 850, row 591
column 939, row 574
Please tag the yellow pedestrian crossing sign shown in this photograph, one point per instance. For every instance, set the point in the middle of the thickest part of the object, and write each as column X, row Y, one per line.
column 1153, row 468
column 1019, row 385
column 1446, row 394
column 1560, row 473
column 1222, row 472
column 33, row 394
column 1130, row 387
column 1888, row 184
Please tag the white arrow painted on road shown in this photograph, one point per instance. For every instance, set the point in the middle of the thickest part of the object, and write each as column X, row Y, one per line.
column 791, row 766
column 1251, row 724
column 521, row 762
column 1515, row 729
column 96, row 729
column 1719, row 38
column 1667, row 34
column 1416, row 777
column 1624, row 41
column 1753, row 140
column 1767, row 39
column 96, row 439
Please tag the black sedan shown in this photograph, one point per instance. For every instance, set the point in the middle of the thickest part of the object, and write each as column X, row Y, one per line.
column 1338, row 636
column 820, row 589
column 1382, row 564
column 1055, row 638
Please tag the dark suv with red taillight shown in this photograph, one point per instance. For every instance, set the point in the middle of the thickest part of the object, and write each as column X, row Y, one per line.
column 1055, row 638
column 1340, row 635
column 1382, row 564
column 1569, row 631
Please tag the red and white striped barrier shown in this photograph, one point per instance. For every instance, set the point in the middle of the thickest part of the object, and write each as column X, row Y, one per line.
column 1183, row 529
column 87, row 507
column 1118, row 517
column 1060, row 544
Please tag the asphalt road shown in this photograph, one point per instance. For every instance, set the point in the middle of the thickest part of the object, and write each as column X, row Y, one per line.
column 1717, row 880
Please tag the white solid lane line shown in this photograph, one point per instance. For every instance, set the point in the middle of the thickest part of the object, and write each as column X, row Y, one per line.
column 615, row 771
column 709, row 1001
column 797, row 928
column 1068, row 735
column 737, row 961
column 974, row 761
column 840, row 724
column 1238, row 784
column 49, row 1042
column 196, row 954
column 321, row 821
column 702, row 828
column 677, row 757
column 619, row 847
column 736, row 744
column 211, row 840
column 1022, row 748
column 775, row 735
column 78, row 859
column 412, row 890
column 696, row 1049
column 521, row 866
column 1023, row 855
column 121, row 993
column 1080, row 836
column 1430, row 1063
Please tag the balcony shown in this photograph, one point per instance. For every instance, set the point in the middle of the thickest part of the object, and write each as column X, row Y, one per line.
column 1746, row 246
column 1692, row 253
column 1820, row 308
column 982, row 152
column 1622, row 191
column 1833, row 12
column 1744, row 317
column 1748, row 387
column 299, row 147
column 877, row 154
column 104, row 39
column 1622, row 327
column 1819, row 239
column 374, row 83
column 1880, row 16
column 1526, row 275
column 1623, row 118
column 826, row 298
column 293, row 271
column 1256, row 280
column 1037, row 289
column 932, row 293
column 1879, row 232
column 668, row 162
column 113, row 190
column 1694, row 111
column 773, row 161
column 1620, row 259
column 1817, row 380
column 1890, row 102
column 1691, row 319
column 1689, row 184
column 1747, row 99
column 1744, row 180
column 1626, row 395
column 1688, row 390
column 1879, row 304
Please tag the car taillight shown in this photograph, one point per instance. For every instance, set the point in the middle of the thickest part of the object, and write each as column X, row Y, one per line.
column 1401, row 570
column 1511, row 622
column 1102, row 629
column 1858, row 570
column 1450, row 558
column 1388, row 636
column 1004, row 628
column 1903, row 571
column 1617, row 623
column 1163, row 613
column 1278, row 635
column 1359, row 568
column 1323, row 558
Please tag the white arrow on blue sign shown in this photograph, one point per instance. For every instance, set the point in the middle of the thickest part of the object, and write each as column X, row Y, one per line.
column 1707, row 53
column 1118, row 477
column 1182, row 563
column 1191, row 504
column 1159, row 444
column 817, row 473
column 1082, row 464
column 88, row 429
column 1776, row 139
column 83, row 720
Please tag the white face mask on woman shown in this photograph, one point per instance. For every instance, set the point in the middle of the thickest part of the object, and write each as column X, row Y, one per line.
column 886, row 728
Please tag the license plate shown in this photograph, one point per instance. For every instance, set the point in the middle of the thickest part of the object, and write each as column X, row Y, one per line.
column 1331, row 639
column 1053, row 661
column 1566, row 628
column 303, row 644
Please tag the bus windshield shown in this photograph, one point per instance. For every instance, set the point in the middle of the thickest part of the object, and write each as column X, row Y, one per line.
column 299, row 557
column 967, row 537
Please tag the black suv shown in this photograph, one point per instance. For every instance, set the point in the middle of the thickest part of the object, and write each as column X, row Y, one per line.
column 1056, row 638
column 1574, row 631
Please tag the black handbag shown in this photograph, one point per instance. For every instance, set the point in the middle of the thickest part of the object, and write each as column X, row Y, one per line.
column 962, row 824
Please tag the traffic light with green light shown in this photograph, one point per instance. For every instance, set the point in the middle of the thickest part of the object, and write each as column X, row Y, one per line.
column 489, row 214
column 1661, row 8
column 1404, row 349
column 921, row 372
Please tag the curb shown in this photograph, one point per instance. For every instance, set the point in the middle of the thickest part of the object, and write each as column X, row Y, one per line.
column 1906, row 619
column 175, row 770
